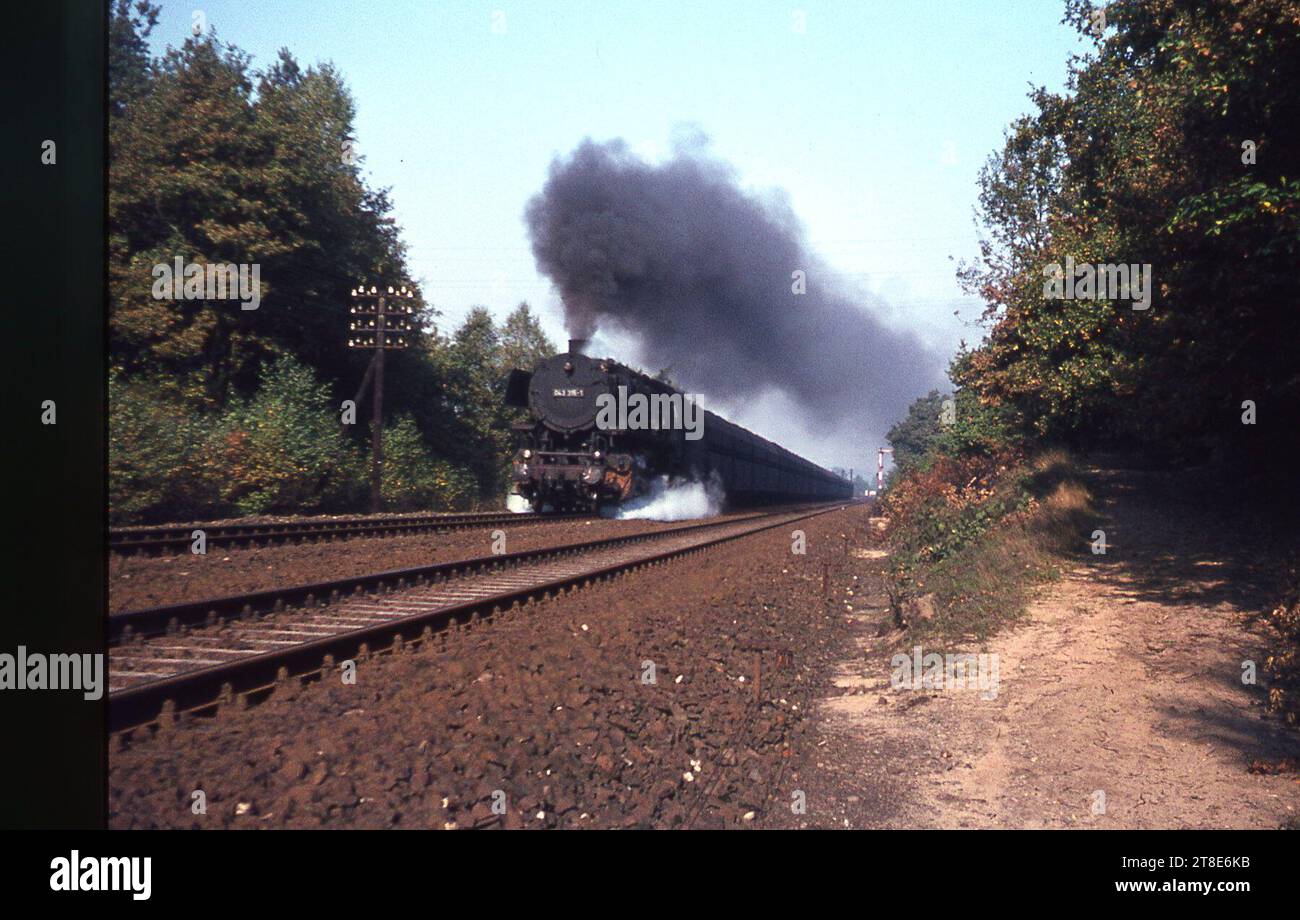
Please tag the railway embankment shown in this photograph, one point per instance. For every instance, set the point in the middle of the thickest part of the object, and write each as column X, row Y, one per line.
column 970, row 537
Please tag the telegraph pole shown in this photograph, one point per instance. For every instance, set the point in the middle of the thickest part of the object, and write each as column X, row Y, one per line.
column 379, row 321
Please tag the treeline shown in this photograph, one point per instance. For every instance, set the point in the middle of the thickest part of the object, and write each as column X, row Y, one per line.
column 1170, row 162
column 217, row 410
column 1175, row 151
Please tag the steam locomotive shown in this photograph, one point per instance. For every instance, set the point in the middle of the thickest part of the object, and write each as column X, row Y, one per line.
column 601, row 433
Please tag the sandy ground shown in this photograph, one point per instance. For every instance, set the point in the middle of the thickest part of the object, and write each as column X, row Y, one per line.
column 1119, row 703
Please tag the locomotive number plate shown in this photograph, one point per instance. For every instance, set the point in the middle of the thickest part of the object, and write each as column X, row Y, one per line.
column 567, row 391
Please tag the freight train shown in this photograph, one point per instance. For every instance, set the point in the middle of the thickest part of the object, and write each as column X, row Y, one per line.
column 600, row 433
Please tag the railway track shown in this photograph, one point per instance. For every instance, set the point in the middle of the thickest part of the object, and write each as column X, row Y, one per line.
column 192, row 657
column 176, row 538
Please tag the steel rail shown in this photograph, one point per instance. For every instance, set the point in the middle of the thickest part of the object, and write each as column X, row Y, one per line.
column 214, row 611
column 178, row 538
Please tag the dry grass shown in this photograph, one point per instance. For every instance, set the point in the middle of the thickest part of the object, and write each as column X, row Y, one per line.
column 1059, row 519
column 1001, row 534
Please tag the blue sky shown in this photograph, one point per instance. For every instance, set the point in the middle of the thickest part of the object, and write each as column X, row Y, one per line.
column 874, row 120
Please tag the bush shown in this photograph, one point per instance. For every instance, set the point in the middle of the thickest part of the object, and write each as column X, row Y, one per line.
column 414, row 479
column 157, row 467
column 976, row 531
column 285, row 451
column 941, row 426
column 938, row 509
column 977, row 428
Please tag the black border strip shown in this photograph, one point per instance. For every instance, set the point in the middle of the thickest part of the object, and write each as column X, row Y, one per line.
column 55, row 587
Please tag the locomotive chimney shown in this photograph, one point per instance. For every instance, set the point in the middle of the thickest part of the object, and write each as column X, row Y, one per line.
column 578, row 346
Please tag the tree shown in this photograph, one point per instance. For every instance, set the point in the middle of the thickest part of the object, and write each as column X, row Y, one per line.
column 919, row 433
column 212, row 162
column 1142, row 163
column 522, row 341
column 479, row 435
column 218, row 164
column 187, row 186
column 284, row 450
column 129, row 64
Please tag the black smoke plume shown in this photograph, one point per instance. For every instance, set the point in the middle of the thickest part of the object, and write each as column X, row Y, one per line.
column 701, row 273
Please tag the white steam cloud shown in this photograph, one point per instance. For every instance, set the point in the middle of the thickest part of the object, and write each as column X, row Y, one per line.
column 675, row 500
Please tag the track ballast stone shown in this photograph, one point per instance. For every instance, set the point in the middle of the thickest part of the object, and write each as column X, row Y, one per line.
column 136, row 582
column 543, row 714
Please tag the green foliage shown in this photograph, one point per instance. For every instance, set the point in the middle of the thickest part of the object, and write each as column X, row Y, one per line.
column 284, row 449
column 1141, row 162
column 948, row 505
column 474, row 394
column 474, row 365
column 416, row 480
column 157, row 454
column 216, row 410
column 938, row 425
column 213, row 162
column 129, row 27
column 521, row 341
column 977, row 428
column 917, row 435
column 281, row 451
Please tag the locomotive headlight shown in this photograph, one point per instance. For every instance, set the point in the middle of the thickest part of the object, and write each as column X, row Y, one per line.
column 528, row 454
column 596, row 455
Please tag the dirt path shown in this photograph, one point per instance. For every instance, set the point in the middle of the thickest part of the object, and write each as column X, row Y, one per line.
column 1119, row 702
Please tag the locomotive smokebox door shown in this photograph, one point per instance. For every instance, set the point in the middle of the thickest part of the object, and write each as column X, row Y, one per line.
column 564, row 391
